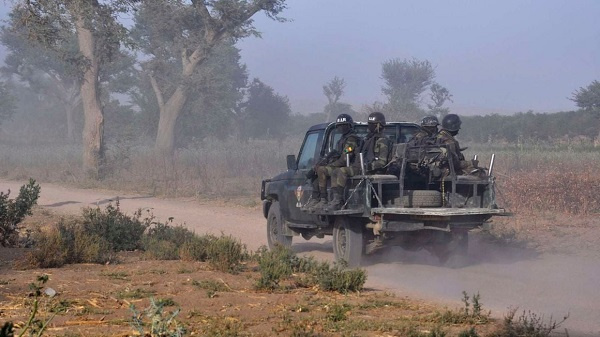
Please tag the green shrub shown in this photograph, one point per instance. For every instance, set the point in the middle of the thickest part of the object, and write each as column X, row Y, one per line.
column 226, row 254
column 123, row 232
column 337, row 278
column 280, row 263
column 274, row 265
column 196, row 248
column 12, row 212
column 164, row 242
column 68, row 242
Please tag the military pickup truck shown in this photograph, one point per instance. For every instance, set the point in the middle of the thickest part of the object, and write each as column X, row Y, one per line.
column 417, row 207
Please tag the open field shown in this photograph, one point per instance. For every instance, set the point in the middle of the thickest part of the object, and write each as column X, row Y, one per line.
column 553, row 194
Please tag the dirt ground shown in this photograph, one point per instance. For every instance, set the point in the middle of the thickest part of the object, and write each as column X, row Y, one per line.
column 403, row 289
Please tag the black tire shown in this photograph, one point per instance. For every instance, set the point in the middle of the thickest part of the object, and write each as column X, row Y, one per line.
column 348, row 241
column 275, row 228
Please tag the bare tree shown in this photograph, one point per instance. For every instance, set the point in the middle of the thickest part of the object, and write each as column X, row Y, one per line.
column 333, row 90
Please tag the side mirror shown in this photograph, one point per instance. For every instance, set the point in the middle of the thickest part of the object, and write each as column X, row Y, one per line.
column 291, row 162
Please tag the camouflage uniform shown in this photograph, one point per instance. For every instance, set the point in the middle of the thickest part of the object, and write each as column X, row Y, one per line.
column 375, row 152
column 346, row 145
column 421, row 138
column 461, row 166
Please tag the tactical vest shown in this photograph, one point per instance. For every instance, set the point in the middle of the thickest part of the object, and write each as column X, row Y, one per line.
column 369, row 146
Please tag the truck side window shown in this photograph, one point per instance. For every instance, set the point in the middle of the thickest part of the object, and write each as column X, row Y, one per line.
column 309, row 154
column 407, row 132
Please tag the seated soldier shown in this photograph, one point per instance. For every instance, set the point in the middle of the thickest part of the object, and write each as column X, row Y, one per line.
column 346, row 145
column 450, row 126
column 375, row 149
column 425, row 136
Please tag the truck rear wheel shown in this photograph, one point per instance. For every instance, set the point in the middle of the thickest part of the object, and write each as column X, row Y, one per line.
column 348, row 241
column 275, row 229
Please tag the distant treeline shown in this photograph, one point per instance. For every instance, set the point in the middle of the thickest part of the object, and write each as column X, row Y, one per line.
column 530, row 126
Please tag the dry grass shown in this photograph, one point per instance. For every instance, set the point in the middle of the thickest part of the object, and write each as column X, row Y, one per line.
column 531, row 179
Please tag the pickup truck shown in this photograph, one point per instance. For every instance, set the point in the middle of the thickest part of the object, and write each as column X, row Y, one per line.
column 414, row 208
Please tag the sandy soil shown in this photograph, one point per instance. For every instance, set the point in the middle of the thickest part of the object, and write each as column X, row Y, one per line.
column 557, row 274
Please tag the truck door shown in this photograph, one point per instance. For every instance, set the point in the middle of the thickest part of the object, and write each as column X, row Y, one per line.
column 298, row 188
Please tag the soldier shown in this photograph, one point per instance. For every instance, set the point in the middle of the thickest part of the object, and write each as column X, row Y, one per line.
column 346, row 145
column 450, row 126
column 375, row 149
column 429, row 129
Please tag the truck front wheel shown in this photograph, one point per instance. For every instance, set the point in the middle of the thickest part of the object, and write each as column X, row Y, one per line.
column 348, row 241
column 275, row 229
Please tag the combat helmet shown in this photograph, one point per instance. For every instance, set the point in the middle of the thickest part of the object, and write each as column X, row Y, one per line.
column 376, row 117
column 344, row 119
column 451, row 122
column 430, row 121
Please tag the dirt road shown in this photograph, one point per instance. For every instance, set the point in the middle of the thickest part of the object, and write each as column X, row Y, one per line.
column 548, row 284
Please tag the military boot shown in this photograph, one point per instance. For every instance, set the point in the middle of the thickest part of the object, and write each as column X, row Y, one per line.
column 320, row 205
column 314, row 200
column 337, row 201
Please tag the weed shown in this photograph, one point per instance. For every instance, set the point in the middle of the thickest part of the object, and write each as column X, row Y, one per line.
column 134, row 294
column 184, row 270
column 222, row 327
column 274, row 265
column 471, row 313
column 211, row 286
column 528, row 324
column 161, row 324
column 118, row 275
column 166, row 302
column 12, row 212
column 34, row 325
column 303, row 329
column 469, row 333
column 338, row 312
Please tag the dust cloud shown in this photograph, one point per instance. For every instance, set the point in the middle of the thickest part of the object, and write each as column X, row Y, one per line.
column 549, row 285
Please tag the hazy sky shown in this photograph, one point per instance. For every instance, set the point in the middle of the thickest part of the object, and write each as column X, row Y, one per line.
column 494, row 56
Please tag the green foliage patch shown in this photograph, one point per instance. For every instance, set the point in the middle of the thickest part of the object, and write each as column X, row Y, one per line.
column 12, row 211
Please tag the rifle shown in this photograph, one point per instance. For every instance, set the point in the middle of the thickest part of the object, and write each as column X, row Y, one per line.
column 330, row 157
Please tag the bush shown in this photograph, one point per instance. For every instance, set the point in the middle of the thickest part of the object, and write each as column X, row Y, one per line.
column 281, row 263
column 226, row 254
column 12, row 212
column 337, row 278
column 123, row 232
column 68, row 243
column 163, row 242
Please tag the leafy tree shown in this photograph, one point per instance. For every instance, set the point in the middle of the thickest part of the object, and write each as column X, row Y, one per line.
column 405, row 81
column 43, row 69
column 588, row 98
column 333, row 90
column 214, row 89
column 188, row 36
column 439, row 95
column 265, row 114
column 7, row 102
column 99, row 37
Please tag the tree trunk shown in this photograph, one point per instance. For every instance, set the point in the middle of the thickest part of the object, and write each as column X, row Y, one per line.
column 165, row 136
column 93, row 129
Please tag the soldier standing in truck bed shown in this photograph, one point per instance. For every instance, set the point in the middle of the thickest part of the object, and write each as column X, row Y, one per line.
column 375, row 149
column 347, row 145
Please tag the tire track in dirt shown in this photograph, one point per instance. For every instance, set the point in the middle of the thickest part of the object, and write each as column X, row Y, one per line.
column 550, row 285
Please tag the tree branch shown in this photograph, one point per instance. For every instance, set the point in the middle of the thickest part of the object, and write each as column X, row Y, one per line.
column 157, row 92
